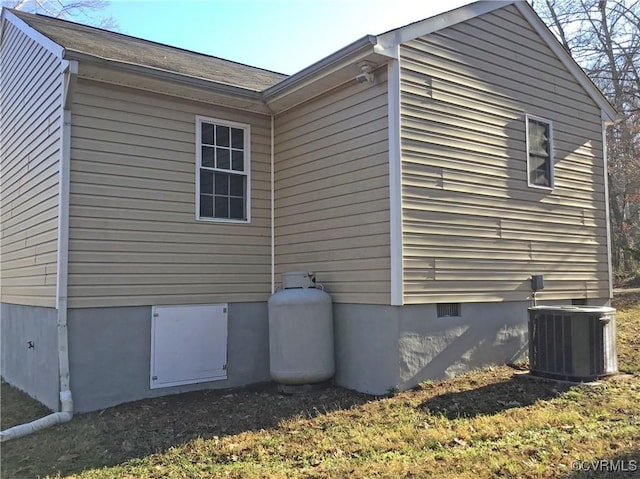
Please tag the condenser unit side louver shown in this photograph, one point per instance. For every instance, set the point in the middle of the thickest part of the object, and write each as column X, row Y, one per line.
column 572, row 343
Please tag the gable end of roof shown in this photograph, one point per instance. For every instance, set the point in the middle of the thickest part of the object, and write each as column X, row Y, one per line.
column 609, row 113
column 388, row 41
column 35, row 35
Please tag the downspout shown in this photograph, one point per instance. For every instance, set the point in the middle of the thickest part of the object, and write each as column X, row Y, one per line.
column 273, row 210
column 69, row 72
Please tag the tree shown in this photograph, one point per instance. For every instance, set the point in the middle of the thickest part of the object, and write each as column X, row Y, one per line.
column 80, row 11
column 603, row 36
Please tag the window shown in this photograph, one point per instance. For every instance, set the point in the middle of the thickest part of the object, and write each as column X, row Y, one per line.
column 540, row 152
column 448, row 310
column 222, row 183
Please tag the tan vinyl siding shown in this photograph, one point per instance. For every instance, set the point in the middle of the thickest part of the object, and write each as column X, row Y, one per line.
column 134, row 239
column 473, row 230
column 30, row 108
column 332, row 192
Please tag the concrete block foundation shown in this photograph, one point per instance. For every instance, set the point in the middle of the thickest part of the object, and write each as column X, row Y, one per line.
column 377, row 348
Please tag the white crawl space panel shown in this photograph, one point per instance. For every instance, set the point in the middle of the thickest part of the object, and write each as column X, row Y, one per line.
column 188, row 344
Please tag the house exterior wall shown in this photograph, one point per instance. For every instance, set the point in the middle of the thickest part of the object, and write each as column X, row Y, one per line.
column 473, row 231
column 29, row 352
column 134, row 239
column 379, row 347
column 332, row 191
column 472, row 228
column 30, row 117
column 103, row 375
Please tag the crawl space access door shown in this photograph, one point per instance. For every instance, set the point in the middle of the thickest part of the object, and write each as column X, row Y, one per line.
column 188, row 344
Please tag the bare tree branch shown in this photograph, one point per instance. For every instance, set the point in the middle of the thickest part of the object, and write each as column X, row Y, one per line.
column 604, row 38
column 83, row 11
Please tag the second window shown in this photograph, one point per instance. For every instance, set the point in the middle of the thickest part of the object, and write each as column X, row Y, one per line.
column 540, row 152
column 222, row 170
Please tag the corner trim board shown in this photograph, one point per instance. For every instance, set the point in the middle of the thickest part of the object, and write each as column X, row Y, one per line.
column 395, row 183
column 273, row 208
column 605, row 161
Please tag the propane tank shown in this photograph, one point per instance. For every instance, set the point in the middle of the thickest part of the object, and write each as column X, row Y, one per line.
column 300, row 331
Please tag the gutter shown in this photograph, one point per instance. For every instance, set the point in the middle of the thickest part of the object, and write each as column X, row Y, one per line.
column 364, row 44
column 166, row 75
column 69, row 71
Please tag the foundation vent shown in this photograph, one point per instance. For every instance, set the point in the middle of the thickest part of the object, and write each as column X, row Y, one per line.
column 449, row 310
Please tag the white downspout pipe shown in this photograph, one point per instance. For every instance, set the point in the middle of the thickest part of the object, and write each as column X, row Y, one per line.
column 69, row 72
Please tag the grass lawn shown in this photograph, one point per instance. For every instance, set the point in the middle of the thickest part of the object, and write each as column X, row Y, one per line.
column 497, row 422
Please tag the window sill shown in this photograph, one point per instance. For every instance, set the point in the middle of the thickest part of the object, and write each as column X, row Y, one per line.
column 223, row 220
column 540, row 187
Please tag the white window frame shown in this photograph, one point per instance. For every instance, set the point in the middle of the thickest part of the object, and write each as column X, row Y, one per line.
column 246, row 160
column 551, row 155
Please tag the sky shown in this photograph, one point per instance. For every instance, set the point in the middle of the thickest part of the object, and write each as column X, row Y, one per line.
column 279, row 35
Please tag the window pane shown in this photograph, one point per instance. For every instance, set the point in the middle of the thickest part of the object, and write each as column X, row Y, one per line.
column 237, row 160
column 207, row 156
column 537, row 162
column 222, row 207
column 540, row 173
column 223, row 158
column 538, row 138
column 236, row 185
column 206, row 206
column 222, row 135
column 206, row 182
column 236, row 208
column 222, row 184
column 237, row 138
column 207, row 134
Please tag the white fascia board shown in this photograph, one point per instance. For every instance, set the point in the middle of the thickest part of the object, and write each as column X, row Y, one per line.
column 609, row 113
column 395, row 184
column 30, row 32
column 388, row 41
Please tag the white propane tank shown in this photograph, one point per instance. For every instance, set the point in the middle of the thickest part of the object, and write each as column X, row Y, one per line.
column 300, row 331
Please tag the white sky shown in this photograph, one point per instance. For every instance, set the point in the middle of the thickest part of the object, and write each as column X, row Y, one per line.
column 281, row 35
